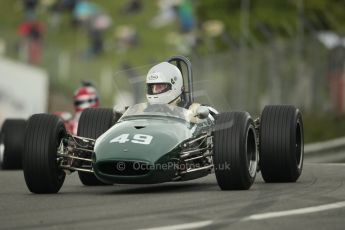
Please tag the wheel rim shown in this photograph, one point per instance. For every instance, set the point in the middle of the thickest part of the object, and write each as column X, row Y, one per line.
column 60, row 172
column 60, row 152
column 299, row 145
column 251, row 151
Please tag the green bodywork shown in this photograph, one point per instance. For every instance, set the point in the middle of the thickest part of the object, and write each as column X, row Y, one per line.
column 160, row 154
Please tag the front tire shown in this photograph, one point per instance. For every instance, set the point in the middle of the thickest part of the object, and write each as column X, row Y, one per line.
column 235, row 151
column 12, row 143
column 92, row 124
column 281, row 144
column 43, row 136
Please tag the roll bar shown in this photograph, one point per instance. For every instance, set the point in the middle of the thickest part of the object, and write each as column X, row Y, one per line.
column 188, row 95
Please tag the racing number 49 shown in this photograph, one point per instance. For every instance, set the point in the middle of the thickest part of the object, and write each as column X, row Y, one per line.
column 137, row 139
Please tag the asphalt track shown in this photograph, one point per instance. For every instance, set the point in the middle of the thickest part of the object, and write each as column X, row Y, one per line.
column 316, row 201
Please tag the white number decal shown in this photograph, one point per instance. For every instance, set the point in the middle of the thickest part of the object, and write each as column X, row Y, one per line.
column 137, row 139
column 123, row 138
column 142, row 139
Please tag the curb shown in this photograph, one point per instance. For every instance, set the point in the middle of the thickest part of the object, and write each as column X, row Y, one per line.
column 332, row 151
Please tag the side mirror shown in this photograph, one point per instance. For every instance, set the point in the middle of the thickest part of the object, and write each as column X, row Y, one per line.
column 202, row 112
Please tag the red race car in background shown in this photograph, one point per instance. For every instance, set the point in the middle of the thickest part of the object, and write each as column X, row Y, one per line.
column 85, row 97
column 13, row 130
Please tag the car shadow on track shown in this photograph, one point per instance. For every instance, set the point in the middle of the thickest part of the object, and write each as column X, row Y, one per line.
column 166, row 188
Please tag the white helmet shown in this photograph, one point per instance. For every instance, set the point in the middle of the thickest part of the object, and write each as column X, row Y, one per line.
column 164, row 83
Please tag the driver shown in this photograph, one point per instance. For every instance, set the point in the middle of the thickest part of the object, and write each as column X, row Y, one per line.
column 85, row 97
column 165, row 86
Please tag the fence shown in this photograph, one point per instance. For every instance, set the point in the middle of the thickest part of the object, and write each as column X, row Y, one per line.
column 276, row 73
column 244, row 79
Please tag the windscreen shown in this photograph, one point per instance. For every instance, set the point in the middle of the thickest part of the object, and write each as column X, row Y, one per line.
column 157, row 110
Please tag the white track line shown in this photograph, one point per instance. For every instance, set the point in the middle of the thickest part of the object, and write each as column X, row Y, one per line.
column 300, row 211
column 183, row 226
column 329, row 164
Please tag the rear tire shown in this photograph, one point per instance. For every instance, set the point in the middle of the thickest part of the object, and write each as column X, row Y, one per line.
column 281, row 144
column 12, row 143
column 92, row 124
column 43, row 136
column 235, row 146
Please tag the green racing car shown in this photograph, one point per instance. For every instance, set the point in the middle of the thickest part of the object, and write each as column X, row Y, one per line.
column 156, row 143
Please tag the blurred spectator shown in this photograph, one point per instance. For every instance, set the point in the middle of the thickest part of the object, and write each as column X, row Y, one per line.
column 54, row 10
column 166, row 13
column 96, row 22
column 32, row 32
column 185, row 40
column 30, row 8
column 67, row 5
column 183, row 43
column 213, row 28
column 96, row 28
column 126, row 37
column 84, row 10
column 185, row 15
column 132, row 6
column 56, row 7
column 96, row 42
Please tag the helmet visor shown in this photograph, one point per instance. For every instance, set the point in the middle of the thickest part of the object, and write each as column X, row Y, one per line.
column 157, row 88
column 90, row 101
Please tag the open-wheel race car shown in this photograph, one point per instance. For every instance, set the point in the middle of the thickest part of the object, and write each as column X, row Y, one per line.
column 156, row 143
column 12, row 136
column 12, row 133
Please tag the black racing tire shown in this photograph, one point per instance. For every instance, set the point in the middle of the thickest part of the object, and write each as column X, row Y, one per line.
column 12, row 143
column 44, row 134
column 281, row 143
column 235, row 151
column 92, row 124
